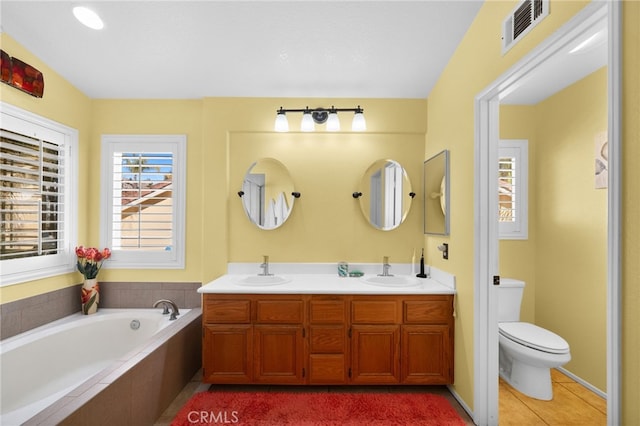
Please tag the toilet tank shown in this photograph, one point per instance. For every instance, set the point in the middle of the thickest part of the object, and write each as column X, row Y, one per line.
column 509, row 299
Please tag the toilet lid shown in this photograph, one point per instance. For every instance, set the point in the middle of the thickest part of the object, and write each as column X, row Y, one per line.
column 534, row 337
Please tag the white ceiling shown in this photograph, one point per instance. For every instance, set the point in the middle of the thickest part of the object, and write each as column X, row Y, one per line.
column 194, row 49
column 305, row 48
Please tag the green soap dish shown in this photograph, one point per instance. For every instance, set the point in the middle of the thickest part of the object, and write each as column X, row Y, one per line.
column 356, row 274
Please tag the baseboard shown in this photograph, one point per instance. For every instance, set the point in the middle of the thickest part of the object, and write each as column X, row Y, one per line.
column 584, row 383
column 463, row 404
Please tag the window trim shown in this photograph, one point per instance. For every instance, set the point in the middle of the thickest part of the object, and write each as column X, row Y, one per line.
column 518, row 230
column 17, row 271
column 123, row 259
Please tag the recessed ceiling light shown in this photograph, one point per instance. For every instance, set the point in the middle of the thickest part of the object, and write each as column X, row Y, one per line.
column 88, row 17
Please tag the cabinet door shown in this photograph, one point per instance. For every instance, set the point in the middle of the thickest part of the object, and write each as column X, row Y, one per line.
column 279, row 354
column 427, row 354
column 375, row 354
column 227, row 353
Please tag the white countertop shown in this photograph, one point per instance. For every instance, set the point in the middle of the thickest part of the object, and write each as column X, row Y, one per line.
column 316, row 280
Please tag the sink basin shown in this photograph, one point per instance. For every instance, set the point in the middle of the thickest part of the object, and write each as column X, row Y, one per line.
column 263, row 280
column 391, row 281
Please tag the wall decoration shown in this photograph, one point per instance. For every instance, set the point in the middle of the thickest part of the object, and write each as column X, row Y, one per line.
column 21, row 75
column 602, row 160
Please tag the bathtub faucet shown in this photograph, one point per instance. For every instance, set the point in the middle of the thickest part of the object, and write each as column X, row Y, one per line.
column 168, row 304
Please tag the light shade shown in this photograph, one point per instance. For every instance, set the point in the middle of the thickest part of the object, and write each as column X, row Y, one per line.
column 88, row 17
column 307, row 124
column 333, row 123
column 282, row 124
column 359, row 124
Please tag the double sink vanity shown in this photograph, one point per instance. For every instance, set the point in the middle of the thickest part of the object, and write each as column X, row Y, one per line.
column 318, row 328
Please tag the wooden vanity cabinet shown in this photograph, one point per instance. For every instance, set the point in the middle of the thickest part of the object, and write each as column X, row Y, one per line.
column 253, row 339
column 328, row 339
column 279, row 349
column 375, row 339
column 227, row 339
column 427, row 340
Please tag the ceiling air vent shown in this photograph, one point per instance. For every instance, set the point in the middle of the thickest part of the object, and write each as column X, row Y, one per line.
column 526, row 15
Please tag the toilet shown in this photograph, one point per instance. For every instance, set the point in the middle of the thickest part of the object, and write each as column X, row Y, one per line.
column 527, row 352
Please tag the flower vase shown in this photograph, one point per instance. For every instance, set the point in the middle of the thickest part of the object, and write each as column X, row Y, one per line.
column 90, row 296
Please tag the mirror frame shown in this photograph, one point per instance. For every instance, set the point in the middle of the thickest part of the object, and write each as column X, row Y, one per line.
column 443, row 201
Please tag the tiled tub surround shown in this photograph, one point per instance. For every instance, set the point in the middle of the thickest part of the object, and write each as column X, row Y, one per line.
column 136, row 388
column 26, row 314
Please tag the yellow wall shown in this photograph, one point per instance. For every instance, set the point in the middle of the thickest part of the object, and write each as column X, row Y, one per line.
column 64, row 104
column 451, row 125
column 565, row 257
column 518, row 257
column 630, row 254
column 152, row 117
column 571, row 225
column 326, row 224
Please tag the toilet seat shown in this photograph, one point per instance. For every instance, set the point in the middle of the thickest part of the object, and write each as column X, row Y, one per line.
column 534, row 337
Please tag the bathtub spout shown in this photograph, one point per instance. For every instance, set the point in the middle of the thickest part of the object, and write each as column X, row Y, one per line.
column 168, row 304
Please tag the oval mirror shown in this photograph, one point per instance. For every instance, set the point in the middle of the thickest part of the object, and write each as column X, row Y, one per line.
column 267, row 193
column 386, row 194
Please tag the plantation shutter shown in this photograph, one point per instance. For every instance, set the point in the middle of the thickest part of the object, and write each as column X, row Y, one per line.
column 143, row 202
column 32, row 176
column 512, row 189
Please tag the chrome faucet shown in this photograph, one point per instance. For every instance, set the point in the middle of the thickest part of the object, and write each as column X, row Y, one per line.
column 265, row 266
column 385, row 267
column 166, row 303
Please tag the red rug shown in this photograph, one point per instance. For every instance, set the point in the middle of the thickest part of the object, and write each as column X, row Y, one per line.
column 317, row 408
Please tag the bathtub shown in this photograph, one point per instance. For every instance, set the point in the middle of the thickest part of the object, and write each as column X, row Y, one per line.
column 41, row 367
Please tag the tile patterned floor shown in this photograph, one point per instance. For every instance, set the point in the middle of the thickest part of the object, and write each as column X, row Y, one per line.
column 572, row 404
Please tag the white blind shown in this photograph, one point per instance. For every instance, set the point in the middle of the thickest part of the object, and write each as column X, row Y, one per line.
column 32, row 196
column 507, row 189
column 143, row 201
column 513, row 170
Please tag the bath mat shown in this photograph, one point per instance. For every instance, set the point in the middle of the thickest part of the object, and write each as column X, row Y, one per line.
column 317, row 408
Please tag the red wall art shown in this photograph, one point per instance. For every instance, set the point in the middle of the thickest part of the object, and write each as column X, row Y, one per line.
column 21, row 75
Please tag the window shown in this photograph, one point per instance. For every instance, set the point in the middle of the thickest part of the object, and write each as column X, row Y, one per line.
column 512, row 189
column 143, row 197
column 37, row 196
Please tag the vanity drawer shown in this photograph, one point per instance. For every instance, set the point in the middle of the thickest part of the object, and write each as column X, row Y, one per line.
column 227, row 311
column 330, row 310
column 375, row 311
column 438, row 310
column 286, row 311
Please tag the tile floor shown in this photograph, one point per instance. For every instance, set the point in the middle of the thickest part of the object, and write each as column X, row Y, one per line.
column 196, row 386
column 572, row 404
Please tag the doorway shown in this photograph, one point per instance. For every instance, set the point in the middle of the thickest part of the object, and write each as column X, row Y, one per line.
column 486, row 206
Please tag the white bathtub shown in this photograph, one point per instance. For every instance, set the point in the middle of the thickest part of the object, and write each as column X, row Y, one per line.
column 42, row 365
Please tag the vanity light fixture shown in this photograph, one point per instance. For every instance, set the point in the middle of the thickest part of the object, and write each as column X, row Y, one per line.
column 311, row 117
column 88, row 17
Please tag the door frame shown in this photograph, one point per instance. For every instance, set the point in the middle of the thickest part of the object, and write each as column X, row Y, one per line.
column 486, row 137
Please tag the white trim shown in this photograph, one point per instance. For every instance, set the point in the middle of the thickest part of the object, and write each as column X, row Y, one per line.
column 485, row 234
column 122, row 259
column 29, row 269
column 614, row 212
